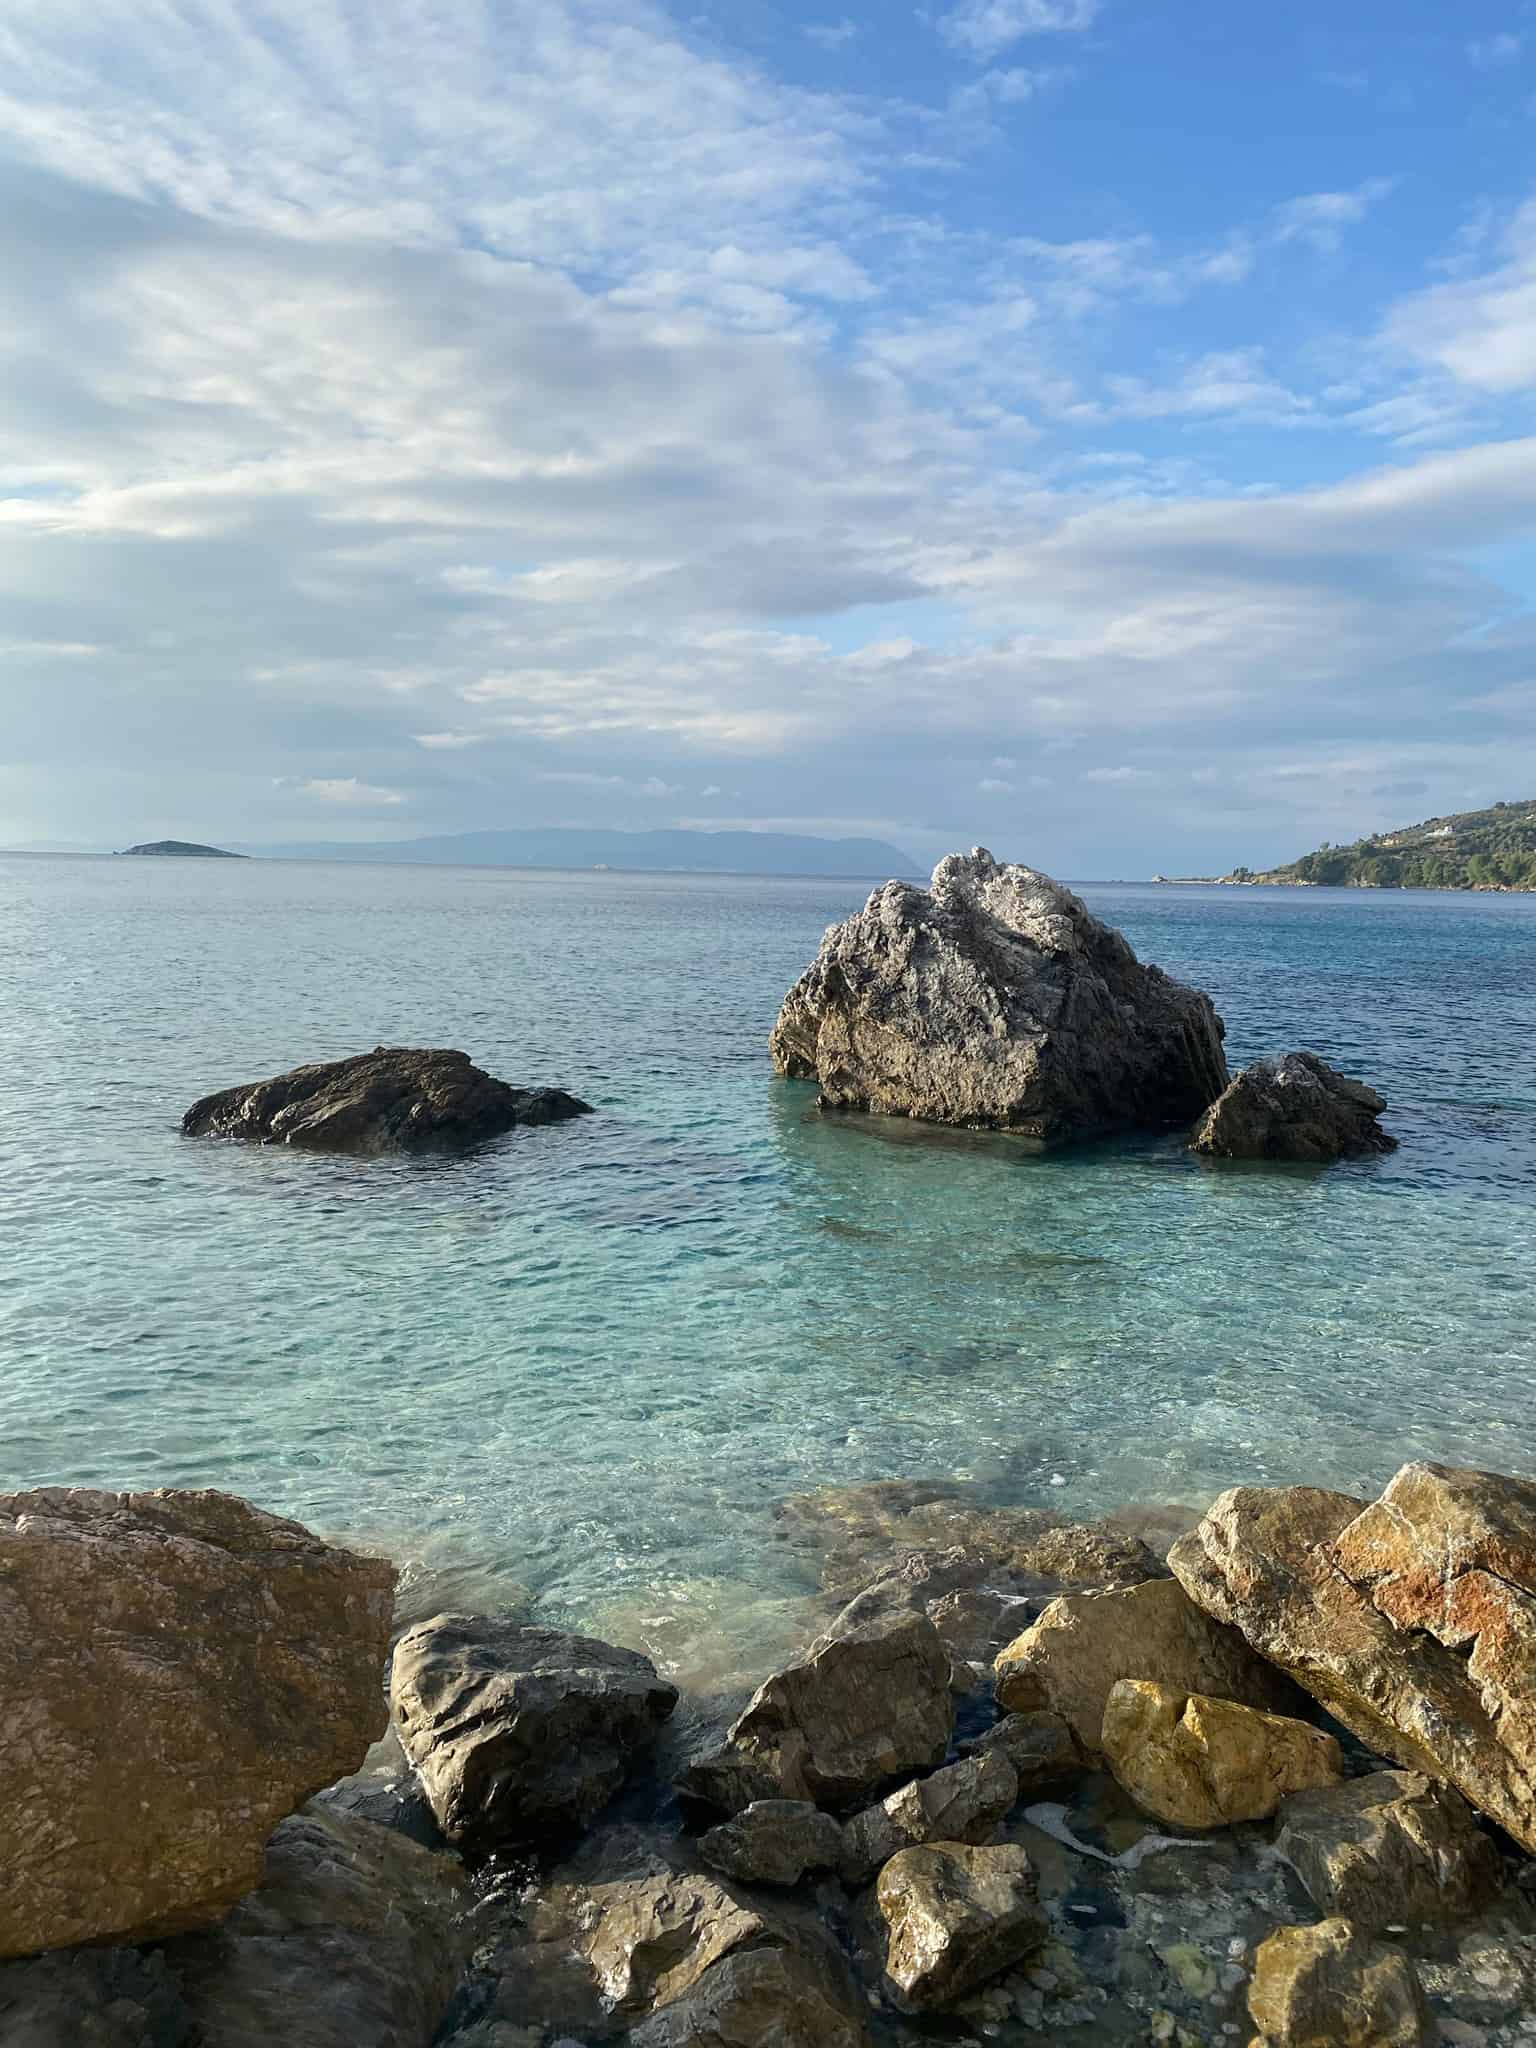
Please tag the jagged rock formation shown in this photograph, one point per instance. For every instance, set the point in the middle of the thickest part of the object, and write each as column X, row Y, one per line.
column 996, row 1000
column 1294, row 1106
column 393, row 1099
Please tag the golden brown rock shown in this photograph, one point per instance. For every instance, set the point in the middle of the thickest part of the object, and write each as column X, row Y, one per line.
column 1198, row 1762
column 1084, row 1643
column 178, row 1673
column 1412, row 1620
column 1331, row 1986
column 955, row 1918
column 1387, row 1848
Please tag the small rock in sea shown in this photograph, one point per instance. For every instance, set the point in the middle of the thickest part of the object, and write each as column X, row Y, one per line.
column 1389, row 1848
column 1197, row 1762
column 856, row 1711
column 995, row 999
column 762, row 1998
column 520, row 1733
column 1293, row 1107
column 774, row 1841
column 956, row 1917
column 178, row 1672
column 1040, row 1747
column 1334, row 1982
column 1412, row 1619
column 393, row 1099
column 961, row 1803
column 1084, row 1643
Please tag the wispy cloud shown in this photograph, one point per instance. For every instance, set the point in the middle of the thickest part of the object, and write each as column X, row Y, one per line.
column 985, row 28
column 1489, row 52
column 832, row 35
column 1321, row 218
column 347, row 789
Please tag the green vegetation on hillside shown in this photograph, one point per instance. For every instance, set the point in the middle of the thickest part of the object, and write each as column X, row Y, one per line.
column 1492, row 849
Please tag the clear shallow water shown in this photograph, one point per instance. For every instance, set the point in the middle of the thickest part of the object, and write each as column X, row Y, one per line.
column 590, row 1360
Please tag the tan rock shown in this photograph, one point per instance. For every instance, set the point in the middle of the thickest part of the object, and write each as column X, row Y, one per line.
column 1389, row 1848
column 857, row 1710
column 962, row 1803
column 1085, row 1643
column 651, row 1939
column 1331, row 1986
column 178, row 1673
column 956, row 1917
column 1412, row 1620
column 1198, row 1762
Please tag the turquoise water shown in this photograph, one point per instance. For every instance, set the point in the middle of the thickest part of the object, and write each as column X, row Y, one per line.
column 590, row 1360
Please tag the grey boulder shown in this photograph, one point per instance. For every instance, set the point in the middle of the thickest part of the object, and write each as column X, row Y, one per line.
column 1390, row 1848
column 774, row 1841
column 962, row 1803
column 520, row 1733
column 995, row 999
column 1293, row 1107
column 955, row 1918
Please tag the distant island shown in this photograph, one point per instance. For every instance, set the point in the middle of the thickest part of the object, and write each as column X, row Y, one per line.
column 1491, row 849
column 738, row 853
column 184, row 849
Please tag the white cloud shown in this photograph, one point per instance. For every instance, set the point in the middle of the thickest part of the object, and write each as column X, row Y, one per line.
column 1488, row 52
column 983, row 28
column 1321, row 218
column 346, row 789
column 446, row 742
column 1481, row 330
column 994, row 785
column 832, row 35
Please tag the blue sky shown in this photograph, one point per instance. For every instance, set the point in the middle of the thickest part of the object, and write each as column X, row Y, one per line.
column 1101, row 430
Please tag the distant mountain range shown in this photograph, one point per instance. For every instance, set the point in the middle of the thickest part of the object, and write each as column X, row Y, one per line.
column 1492, row 849
column 740, row 853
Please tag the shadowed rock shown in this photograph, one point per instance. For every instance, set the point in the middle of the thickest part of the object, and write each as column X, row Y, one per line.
column 393, row 1099
column 178, row 1673
column 996, row 1000
column 774, row 1841
column 1293, row 1107
column 1333, row 1983
column 962, row 1803
column 1388, row 1848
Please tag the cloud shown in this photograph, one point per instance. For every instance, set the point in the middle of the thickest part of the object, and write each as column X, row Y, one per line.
column 1488, row 52
column 446, row 742
column 994, row 785
column 1321, row 218
column 1480, row 330
column 984, row 28
column 832, row 35
column 346, row 789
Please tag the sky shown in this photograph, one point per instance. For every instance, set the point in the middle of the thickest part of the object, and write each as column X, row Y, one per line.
column 1097, row 429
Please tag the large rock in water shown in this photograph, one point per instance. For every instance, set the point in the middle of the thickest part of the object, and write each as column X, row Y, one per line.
column 1205, row 1763
column 1293, row 1107
column 178, row 1673
column 956, row 1917
column 393, row 1099
column 995, row 999
column 1413, row 1620
column 518, row 1733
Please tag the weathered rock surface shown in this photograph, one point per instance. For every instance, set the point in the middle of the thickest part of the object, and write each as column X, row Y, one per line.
column 94, row 1998
column 1198, row 1762
column 1292, row 1107
column 996, row 999
column 393, row 1099
column 651, row 1939
column 178, row 1673
column 1413, row 1620
column 858, row 1709
column 1388, row 1849
column 1040, row 1747
column 519, row 1733
column 774, row 1841
column 760, row 1998
column 1085, row 1643
column 962, row 1803
column 956, row 1917
column 1332, row 1986
column 355, row 1935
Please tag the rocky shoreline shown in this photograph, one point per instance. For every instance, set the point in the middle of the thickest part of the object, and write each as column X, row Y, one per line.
column 1265, row 1773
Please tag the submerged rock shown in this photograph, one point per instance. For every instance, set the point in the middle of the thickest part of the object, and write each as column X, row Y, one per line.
column 857, row 1710
column 956, row 1917
column 1412, row 1620
column 1293, row 1107
column 1335, row 1984
column 1197, row 1762
column 519, row 1733
column 393, row 1099
column 178, row 1673
column 1085, row 1643
column 995, row 999
column 1389, row 1848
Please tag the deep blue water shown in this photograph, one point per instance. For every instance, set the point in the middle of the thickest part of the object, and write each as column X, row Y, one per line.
column 590, row 1360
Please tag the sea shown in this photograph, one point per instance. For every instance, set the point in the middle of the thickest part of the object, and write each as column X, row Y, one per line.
column 575, row 1374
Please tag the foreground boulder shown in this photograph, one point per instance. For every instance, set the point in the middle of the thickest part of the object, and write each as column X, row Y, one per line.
column 393, row 1099
column 1389, row 1848
column 1085, row 1643
column 1197, row 1762
column 857, row 1710
column 955, row 1918
column 178, row 1673
column 995, row 999
column 519, row 1733
column 1412, row 1620
column 1332, row 1986
column 355, row 1934
column 1293, row 1107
